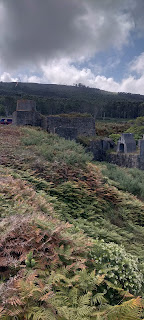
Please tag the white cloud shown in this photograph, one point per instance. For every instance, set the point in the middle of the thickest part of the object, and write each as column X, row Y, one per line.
column 133, row 85
column 137, row 65
column 64, row 72
column 6, row 77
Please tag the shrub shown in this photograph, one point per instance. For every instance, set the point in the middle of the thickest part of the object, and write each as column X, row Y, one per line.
column 123, row 267
column 137, row 128
column 115, row 137
column 46, row 276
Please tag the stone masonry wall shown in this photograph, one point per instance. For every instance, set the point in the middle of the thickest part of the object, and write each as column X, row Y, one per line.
column 126, row 160
column 21, row 118
column 26, row 105
column 70, row 127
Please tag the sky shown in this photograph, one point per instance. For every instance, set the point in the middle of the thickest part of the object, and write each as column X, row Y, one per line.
column 99, row 43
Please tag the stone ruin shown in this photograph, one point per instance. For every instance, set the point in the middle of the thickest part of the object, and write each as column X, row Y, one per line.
column 127, row 154
column 72, row 126
column 126, row 143
column 68, row 126
column 141, row 147
column 26, row 114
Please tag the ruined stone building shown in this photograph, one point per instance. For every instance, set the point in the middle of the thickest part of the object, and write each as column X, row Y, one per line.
column 127, row 154
column 26, row 114
column 72, row 126
column 67, row 126
column 126, row 143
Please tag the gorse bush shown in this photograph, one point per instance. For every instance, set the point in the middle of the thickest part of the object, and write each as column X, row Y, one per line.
column 123, row 267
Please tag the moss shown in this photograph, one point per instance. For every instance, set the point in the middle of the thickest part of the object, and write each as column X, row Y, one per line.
column 73, row 115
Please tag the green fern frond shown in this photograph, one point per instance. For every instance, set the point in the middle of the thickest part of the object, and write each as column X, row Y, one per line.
column 99, row 298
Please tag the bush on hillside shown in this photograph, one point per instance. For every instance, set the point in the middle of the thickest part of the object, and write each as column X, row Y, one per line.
column 123, row 267
column 46, row 275
column 137, row 128
column 115, row 137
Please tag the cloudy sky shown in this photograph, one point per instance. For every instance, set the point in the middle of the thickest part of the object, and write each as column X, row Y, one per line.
column 99, row 43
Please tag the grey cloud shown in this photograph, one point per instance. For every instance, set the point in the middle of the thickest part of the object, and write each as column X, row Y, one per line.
column 34, row 31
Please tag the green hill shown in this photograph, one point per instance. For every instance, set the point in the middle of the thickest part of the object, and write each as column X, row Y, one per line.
column 72, row 232
column 55, row 99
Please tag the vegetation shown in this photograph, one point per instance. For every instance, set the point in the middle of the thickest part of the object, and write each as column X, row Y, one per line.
column 137, row 128
column 57, row 99
column 125, row 179
column 73, row 115
column 107, row 128
column 71, row 232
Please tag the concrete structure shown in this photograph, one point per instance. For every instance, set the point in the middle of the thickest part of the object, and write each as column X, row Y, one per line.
column 126, row 143
column 26, row 114
column 70, row 126
column 26, row 105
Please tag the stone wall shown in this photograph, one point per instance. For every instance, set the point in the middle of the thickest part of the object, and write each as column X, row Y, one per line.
column 100, row 147
column 70, row 127
column 26, row 105
column 126, row 160
column 22, row 118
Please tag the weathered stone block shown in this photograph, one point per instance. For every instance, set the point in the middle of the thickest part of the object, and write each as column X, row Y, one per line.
column 26, row 105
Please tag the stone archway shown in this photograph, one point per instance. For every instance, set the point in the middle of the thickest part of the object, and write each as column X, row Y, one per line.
column 121, row 147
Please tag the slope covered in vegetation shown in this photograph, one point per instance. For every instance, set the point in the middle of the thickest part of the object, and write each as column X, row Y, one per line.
column 71, row 242
column 55, row 99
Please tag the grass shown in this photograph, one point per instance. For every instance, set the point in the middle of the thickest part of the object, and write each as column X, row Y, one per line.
column 55, row 149
column 104, row 200
column 101, row 199
column 126, row 179
column 48, row 184
column 73, row 115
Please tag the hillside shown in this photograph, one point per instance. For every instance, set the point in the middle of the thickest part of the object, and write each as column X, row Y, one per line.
column 72, row 232
column 55, row 99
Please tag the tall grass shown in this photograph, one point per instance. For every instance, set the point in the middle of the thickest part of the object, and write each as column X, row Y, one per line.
column 130, row 180
column 56, row 149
